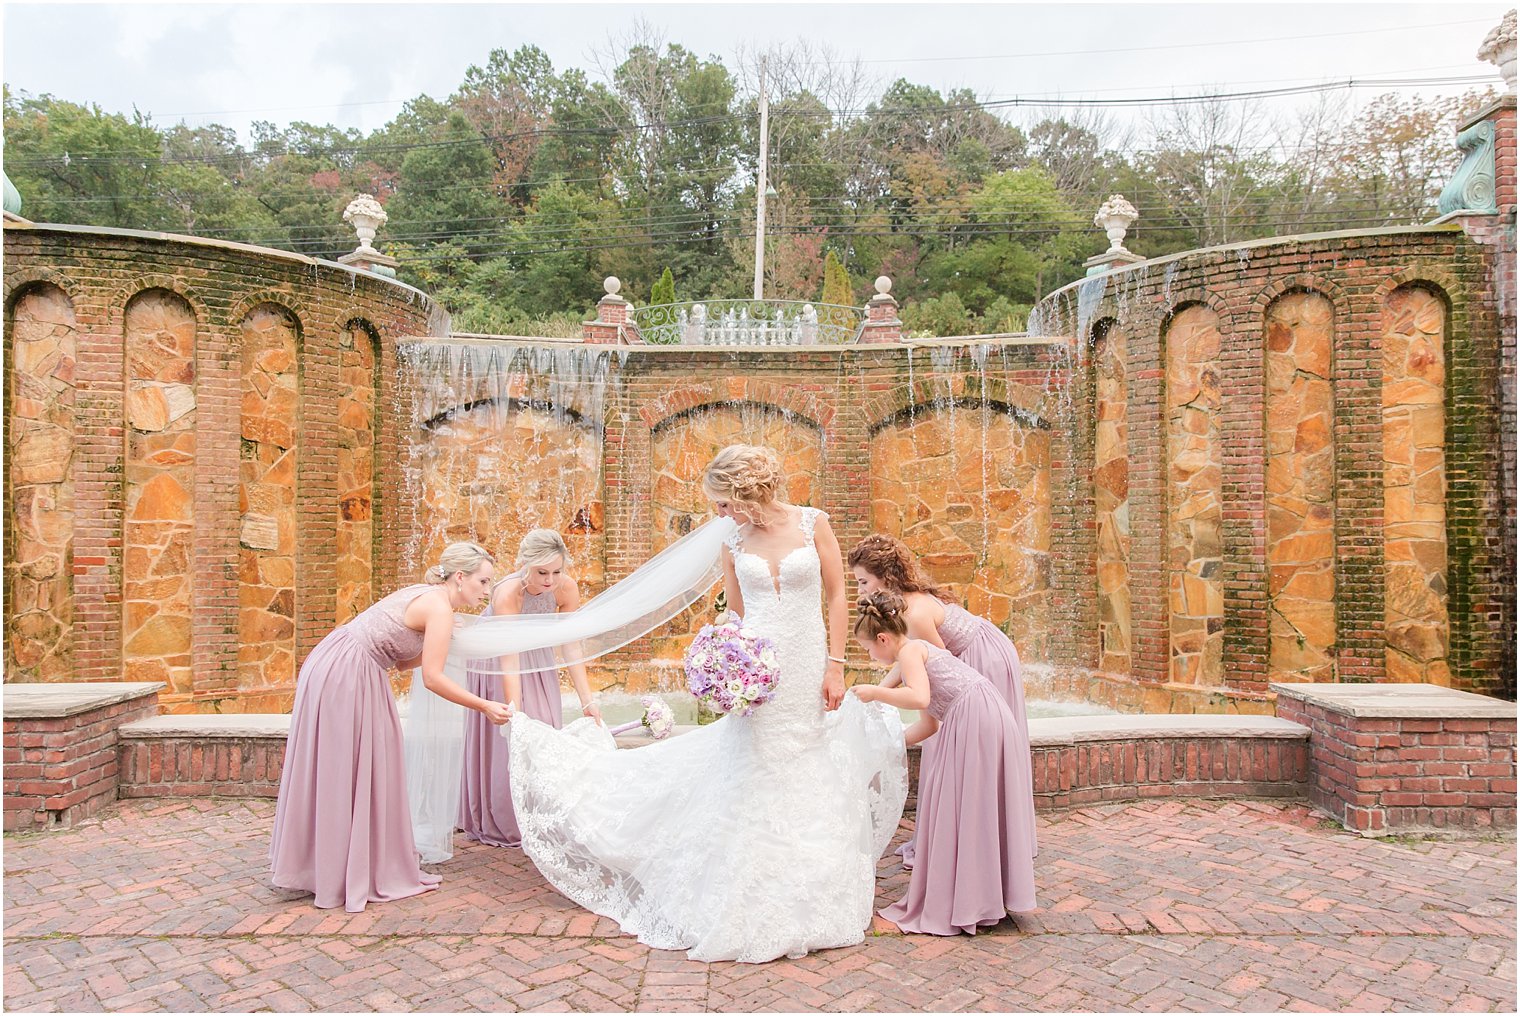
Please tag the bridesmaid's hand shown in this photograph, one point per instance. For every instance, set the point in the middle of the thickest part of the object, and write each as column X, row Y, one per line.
column 590, row 709
column 497, row 712
column 867, row 692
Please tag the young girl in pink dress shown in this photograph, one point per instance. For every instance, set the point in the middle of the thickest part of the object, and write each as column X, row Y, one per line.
column 342, row 827
column 540, row 586
column 884, row 563
column 975, row 849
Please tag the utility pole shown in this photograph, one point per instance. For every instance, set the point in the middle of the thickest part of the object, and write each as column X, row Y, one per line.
column 760, row 189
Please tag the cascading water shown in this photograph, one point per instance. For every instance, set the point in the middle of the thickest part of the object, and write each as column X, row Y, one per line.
column 504, row 436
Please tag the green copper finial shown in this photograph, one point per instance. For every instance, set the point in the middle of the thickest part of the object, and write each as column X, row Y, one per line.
column 12, row 197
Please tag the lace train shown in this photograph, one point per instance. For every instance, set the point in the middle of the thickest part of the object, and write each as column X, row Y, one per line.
column 751, row 838
column 697, row 843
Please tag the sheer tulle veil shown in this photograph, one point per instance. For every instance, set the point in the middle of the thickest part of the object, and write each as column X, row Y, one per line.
column 656, row 592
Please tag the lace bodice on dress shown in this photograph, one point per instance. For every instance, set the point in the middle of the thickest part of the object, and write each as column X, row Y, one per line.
column 382, row 628
column 533, row 603
column 956, row 629
column 949, row 679
column 792, row 618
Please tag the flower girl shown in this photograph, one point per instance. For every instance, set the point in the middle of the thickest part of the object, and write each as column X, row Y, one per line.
column 975, row 848
column 884, row 563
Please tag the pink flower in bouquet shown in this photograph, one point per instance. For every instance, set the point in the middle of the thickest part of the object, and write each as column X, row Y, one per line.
column 731, row 668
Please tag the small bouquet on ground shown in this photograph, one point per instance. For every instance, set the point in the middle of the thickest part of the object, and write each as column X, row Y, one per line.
column 657, row 719
column 731, row 668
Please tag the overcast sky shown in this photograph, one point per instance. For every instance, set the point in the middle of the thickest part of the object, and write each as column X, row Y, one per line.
column 354, row 64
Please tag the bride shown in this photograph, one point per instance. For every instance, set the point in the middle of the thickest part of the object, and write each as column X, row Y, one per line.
column 756, row 836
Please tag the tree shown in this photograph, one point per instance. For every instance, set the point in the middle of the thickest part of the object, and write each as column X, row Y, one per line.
column 936, row 317
column 1399, row 153
column 446, row 191
column 836, row 282
column 664, row 291
column 508, row 103
column 76, row 163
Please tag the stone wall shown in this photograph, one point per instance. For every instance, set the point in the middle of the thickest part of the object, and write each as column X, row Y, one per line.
column 193, row 451
column 1277, row 461
column 963, row 452
column 1311, row 427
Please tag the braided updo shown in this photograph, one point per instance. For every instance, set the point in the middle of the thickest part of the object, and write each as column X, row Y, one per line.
column 880, row 612
column 748, row 475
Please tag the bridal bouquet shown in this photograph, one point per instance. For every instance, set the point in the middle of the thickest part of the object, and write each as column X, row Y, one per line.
column 657, row 719
column 731, row 668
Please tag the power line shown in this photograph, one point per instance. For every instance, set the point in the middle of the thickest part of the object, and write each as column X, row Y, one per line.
column 1349, row 84
column 958, row 57
column 1177, row 45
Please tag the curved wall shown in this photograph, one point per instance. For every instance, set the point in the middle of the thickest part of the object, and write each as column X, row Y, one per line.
column 1274, row 462
column 1315, row 466
column 193, row 451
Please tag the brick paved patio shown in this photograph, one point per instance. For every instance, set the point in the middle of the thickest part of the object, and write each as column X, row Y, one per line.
column 1152, row 906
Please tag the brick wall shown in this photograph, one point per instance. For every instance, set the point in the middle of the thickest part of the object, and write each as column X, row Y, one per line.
column 220, row 285
column 1357, row 273
column 189, row 766
column 60, row 769
column 1388, row 774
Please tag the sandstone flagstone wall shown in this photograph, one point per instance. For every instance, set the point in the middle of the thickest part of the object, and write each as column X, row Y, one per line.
column 1195, row 576
column 969, row 492
column 1414, row 485
column 359, row 357
column 1313, row 396
column 1111, row 497
column 1206, row 473
column 39, row 447
column 959, row 462
column 1300, row 487
column 158, row 573
column 190, row 424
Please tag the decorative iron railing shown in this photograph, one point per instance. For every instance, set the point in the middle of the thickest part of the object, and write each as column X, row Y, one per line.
column 749, row 323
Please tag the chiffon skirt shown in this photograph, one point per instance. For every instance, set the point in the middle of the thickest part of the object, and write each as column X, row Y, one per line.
column 342, row 828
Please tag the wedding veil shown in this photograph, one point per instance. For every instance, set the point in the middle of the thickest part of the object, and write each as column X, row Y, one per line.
column 657, row 591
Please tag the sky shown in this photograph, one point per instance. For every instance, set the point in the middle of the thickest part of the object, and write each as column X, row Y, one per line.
column 354, row 64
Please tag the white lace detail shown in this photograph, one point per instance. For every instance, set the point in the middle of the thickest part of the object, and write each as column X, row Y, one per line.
column 751, row 838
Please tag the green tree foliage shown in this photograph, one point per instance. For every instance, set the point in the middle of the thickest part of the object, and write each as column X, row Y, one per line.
column 836, row 282
column 513, row 197
column 664, row 290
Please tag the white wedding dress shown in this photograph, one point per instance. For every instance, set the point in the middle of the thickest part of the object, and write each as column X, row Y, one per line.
column 751, row 838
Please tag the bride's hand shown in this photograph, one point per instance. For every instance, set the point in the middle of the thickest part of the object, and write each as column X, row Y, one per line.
column 833, row 686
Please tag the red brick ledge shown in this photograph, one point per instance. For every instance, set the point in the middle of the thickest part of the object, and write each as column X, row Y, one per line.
column 1407, row 757
column 1088, row 759
column 204, row 755
column 1077, row 760
column 61, row 761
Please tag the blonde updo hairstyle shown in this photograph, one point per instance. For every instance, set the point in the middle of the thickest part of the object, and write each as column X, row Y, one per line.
column 746, row 475
column 463, row 557
column 540, row 547
column 880, row 612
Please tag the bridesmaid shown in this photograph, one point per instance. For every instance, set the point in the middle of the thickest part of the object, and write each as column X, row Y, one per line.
column 975, row 843
column 884, row 563
column 342, row 828
column 530, row 683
